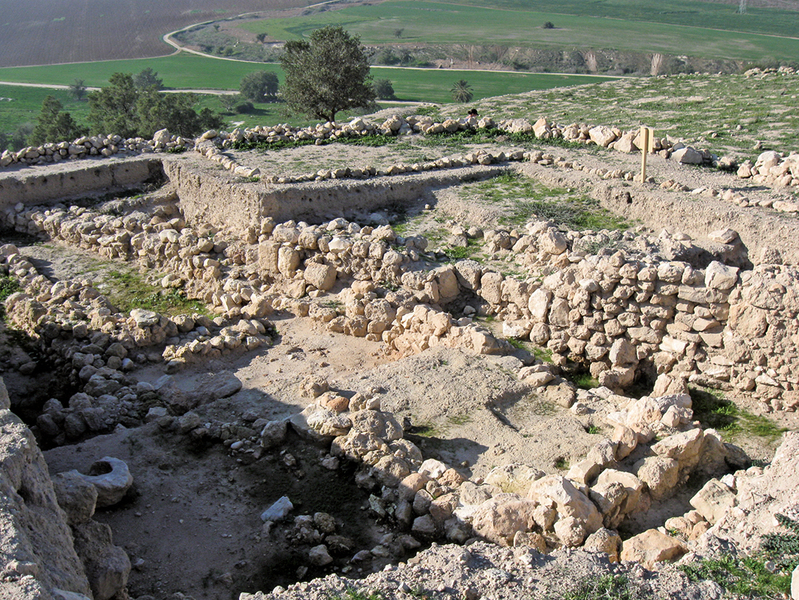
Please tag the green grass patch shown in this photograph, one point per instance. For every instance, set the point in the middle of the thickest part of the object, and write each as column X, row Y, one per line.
column 461, row 419
column 425, row 430
column 130, row 290
column 714, row 410
column 561, row 463
column 8, row 285
column 358, row 595
column 517, row 343
column 470, row 250
column 189, row 71
column 542, row 354
column 528, row 199
column 584, row 381
column 745, row 577
column 605, row 587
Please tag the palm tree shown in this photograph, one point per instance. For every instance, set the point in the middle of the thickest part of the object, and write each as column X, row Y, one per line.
column 462, row 91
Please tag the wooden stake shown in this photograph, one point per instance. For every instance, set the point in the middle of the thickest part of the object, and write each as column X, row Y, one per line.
column 646, row 139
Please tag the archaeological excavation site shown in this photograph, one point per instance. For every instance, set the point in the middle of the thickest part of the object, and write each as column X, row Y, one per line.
column 482, row 358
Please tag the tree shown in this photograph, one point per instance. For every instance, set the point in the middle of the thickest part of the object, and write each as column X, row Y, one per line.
column 260, row 86
column 261, row 37
column 398, row 32
column 549, row 25
column 326, row 74
column 78, row 89
column 113, row 108
column 123, row 109
column 384, row 89
column 20, row 138
column 462, row 91
column 53, row 125
column 147, row 78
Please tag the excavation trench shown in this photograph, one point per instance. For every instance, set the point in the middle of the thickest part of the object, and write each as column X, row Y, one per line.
column 195, row 442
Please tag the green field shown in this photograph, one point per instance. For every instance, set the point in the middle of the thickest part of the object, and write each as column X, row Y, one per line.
column 188, row 71
column 440, row 23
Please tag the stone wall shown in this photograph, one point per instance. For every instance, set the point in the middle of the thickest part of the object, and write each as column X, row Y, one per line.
column 240, row 205
column 626, row 315
column 76, row 180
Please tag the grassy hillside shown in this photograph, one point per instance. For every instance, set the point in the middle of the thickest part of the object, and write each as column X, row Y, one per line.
column 699, row 32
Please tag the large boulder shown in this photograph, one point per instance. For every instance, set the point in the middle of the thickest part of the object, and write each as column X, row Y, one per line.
column 651, row 547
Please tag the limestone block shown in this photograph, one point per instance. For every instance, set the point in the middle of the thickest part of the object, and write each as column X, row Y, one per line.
column 651, row 547
column 539, row 304
column 719, row 276
column 604, row 540
column 76, row 496
column 383, row 425
column 321, row 276
column 513, row 478
column 499, row 519
column 622, row 353
column 569, row 501
column 713, row 500
column 683, row 447
column 279, row 510
column 601, row 135
column 107, row 566
column 288, row 259
column 660, row 474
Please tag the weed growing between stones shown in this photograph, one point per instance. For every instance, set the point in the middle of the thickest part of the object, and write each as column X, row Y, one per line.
column 8, row 286
column 714, row 410
column 131, row 291
column 783, row 548
column 606, row 587
column 746, row 576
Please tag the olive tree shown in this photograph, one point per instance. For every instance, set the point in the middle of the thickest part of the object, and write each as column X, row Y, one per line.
column 326, row 74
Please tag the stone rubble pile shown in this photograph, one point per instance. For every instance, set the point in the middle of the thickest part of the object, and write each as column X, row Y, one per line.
column 94, row 348
column 515, row 505
column 96, row 145
column 776, row 170
column 762, row 73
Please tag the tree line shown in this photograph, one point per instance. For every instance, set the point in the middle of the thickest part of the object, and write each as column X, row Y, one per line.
column 324, row 75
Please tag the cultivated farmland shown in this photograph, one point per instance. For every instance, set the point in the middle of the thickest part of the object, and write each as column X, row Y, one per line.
column 49, row 31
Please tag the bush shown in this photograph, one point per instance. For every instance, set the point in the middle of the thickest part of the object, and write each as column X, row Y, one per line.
column 384, row 89
column 549, row 25
column 260, row 86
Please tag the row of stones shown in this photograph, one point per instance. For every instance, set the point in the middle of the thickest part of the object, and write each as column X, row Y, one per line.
column 773, row 169
column 96, row 145
column 211, row 144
